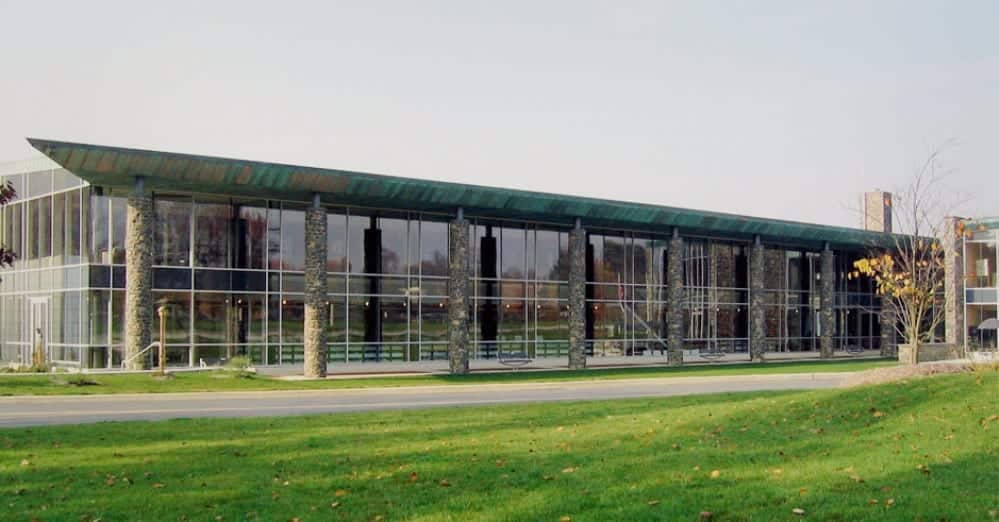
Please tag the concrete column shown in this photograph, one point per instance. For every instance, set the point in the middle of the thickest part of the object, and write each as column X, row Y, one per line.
column 458, row 292
column 827, row 302
column 577, row 298
column 315, row 291
column 757, row 315
column 139, row 276
column 674, row 301
column 953, row 246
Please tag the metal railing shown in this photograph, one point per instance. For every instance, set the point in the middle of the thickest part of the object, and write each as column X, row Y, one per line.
column 154, row 344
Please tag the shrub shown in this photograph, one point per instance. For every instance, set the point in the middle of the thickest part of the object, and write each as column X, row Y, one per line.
column 240, row 365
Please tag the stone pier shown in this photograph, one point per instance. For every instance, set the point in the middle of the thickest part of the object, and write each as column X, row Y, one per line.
column 827, row 302
column 316, row 309
column 674, row 301
column 577, row 298
column 757, row 314
column 458, row 292
column 953, row 246
column 139, row 276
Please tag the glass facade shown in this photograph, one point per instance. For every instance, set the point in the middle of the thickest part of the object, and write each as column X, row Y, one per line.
column 981, row 259
column 229, row 273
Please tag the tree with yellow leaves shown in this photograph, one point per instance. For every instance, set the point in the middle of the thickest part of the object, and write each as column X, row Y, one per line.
column 910, row 276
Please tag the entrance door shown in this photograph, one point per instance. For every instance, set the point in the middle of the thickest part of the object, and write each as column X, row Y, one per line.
column 38, row 327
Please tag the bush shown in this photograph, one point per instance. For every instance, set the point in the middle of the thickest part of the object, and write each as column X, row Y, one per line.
column 240, row 365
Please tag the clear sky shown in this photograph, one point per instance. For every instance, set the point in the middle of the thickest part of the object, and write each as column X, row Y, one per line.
column 777, row 109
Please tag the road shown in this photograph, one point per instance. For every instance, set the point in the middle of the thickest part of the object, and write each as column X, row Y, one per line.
column 80, row 409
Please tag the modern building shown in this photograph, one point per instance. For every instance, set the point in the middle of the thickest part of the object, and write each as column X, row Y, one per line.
column 277, row 262
column 981, row 284
column 876, row 211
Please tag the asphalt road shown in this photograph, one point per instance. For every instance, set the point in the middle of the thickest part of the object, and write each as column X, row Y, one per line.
column 41, row 410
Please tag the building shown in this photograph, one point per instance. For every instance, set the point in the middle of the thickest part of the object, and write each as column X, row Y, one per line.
column 280, row 262
column 876, row 211
column 980, row 286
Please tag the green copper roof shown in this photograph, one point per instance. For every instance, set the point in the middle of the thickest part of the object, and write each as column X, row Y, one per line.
column 165, row 171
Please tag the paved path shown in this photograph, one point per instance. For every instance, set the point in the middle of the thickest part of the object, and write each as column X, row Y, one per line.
column 41, row 410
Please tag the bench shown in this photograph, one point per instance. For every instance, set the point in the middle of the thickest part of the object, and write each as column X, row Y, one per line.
column 513, row 359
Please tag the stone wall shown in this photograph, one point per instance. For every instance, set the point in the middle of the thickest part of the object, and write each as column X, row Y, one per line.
column 928, row 353
column 577, row 298
column 315, row 292
column 757, row 316
column 674, row 302
column 458, row 291
column 139, row 280
column 953, row 245
column 827, row 300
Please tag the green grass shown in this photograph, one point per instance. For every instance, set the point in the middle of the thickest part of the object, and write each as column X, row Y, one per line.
column 918, row 450
column 223, row 381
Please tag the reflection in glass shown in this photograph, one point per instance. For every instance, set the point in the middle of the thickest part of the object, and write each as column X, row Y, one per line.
column 292, row 239
column 172, row 231
column 211, row 234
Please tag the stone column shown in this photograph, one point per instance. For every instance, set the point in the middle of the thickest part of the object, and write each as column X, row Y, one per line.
column 886, row 320
column 458, row 292
column 674, row 301
column 315, row 290
column 757, row 315
column 577, row 298
column 139, row 276
column 827, row 302
column 953, row 246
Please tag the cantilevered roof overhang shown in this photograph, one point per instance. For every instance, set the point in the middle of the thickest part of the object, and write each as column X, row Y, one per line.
column 117, row 167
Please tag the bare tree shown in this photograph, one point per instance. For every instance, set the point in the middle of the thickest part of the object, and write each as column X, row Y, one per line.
column 909, row 275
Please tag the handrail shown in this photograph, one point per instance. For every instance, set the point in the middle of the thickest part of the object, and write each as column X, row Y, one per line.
column 144, row 350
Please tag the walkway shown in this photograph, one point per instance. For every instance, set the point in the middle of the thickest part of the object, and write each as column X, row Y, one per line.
column 44, row 410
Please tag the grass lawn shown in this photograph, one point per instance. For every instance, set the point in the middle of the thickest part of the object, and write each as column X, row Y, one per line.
column 222, row 381
column 918, row 450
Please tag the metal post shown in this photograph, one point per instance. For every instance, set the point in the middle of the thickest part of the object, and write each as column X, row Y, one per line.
column 162, row 348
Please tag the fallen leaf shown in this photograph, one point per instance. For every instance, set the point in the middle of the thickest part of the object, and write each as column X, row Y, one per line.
column 873, row 502
column 566, row 518
column 568, row 470
column 413, row 477
column 706, row 515
column 715, row 473
column 890, row 502
column 159, row 485
column 340, row 493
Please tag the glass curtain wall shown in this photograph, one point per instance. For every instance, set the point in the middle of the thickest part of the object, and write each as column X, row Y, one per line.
column 982, row 288
column 716, row 297
column 791, row 297
column 43, row 294
column 857, row 308
column 520, row 279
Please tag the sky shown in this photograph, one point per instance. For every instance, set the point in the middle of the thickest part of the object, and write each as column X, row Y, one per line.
column 781, row 109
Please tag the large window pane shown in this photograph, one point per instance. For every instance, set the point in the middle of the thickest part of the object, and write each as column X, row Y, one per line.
column 336, row 242
column 250, row 247
column 292, row 239
column 119, row 216
column 433, row 248
column 394, row 249
column 211, row 234
column 212, row 319
column 173, row 232
column 513, row 253
column 178, row 316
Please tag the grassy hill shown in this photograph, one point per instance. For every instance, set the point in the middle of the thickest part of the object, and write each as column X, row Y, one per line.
column 922, row 449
